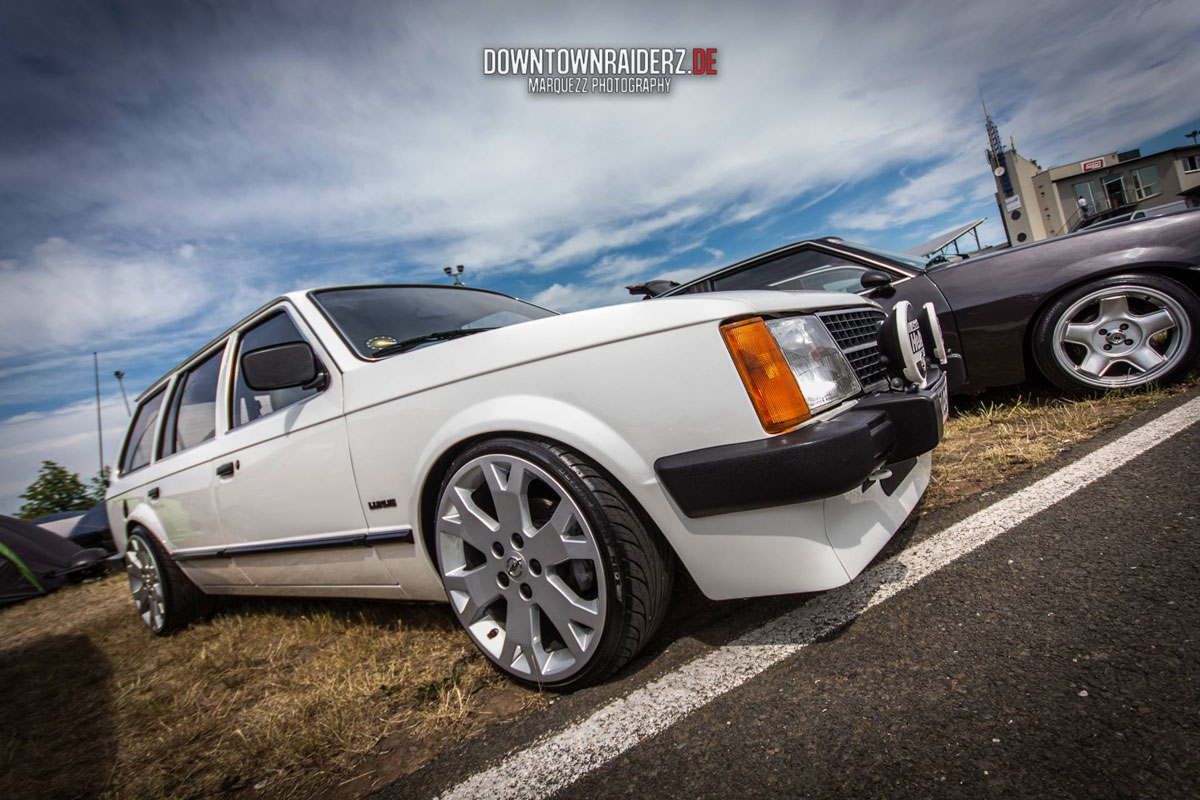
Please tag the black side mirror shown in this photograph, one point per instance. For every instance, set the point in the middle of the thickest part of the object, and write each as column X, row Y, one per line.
column 651, row 288
column 282, row 366
column 874, row 279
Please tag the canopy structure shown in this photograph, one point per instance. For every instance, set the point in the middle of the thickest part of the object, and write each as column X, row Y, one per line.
column 35, row 561
column 940, row 243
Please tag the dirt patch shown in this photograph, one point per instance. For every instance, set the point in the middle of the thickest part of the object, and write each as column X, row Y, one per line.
column 283, row 699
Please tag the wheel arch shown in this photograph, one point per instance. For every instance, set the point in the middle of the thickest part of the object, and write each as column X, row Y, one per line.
column 428, row 494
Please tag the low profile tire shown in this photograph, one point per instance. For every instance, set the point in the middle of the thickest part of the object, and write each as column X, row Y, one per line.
column 547, row 564
column 1121, row 332
column 165, row 598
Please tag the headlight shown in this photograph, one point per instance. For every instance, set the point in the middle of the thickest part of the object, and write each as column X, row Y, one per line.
column 822, row 372
column 790, row 367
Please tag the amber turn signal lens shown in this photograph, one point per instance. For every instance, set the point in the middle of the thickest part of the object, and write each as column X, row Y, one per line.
column 765, row 372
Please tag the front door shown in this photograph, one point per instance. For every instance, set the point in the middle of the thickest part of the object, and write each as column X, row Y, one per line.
column 285, row 487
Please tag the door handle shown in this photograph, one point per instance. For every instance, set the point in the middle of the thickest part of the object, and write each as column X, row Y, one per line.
column 225, row 470
column 152, row 494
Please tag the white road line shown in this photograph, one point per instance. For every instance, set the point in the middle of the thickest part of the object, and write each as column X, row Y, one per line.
column 559, row 759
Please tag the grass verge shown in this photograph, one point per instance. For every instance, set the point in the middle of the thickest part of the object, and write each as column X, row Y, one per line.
column 277, row 698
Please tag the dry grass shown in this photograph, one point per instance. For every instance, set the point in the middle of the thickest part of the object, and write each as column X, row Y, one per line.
column 288, row 696
column 1003, row 433
column 320, row 698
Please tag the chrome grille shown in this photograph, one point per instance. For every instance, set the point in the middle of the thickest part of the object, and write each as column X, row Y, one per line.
column 856, row 333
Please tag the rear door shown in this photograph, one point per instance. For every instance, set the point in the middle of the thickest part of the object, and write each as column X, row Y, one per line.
column 285, row 488
column 183, row 496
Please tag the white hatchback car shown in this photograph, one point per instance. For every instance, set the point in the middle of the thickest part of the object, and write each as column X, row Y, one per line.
column 541, row 472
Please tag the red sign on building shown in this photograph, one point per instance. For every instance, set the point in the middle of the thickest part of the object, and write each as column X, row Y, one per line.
column 1095, row 163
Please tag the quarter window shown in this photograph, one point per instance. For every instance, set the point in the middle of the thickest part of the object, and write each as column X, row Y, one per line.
column 193, row 416
column 141, row 434
column 250, row 404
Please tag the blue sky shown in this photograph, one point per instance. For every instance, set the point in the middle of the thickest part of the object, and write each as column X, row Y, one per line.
column 164, row 169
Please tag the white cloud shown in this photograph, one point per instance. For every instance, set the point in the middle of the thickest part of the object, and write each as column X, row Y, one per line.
column 69, row 296
column 574, row 297
column 621, row 267
column 66, row 435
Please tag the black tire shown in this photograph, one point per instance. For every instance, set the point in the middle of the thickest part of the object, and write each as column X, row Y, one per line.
column 182, row 601
column 1143, row 290
column 638, row 564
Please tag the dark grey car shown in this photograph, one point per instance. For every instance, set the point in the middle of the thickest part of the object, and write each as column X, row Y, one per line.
column 1106, row 308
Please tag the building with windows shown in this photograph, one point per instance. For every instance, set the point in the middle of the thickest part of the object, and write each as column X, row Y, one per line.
column 1037, row 203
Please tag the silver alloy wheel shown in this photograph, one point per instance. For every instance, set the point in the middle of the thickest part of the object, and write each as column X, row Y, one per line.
column 145, row 582
column 521, row 567
column 1121, row 336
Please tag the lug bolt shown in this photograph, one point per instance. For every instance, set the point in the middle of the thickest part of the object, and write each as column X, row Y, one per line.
column 502, row 579
column 517, row 541
column 1124, row 327
column 497, row 549
column 1103, row 332
column 1108, row 347
column 535, row 567
column 526, row 592
column 1129, row 341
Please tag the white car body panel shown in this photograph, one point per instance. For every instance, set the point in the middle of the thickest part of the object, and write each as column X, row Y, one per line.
column 623, row 385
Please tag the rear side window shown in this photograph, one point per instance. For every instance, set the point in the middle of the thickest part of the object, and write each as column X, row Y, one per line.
column 807, row 269
column 250, row 404
column 141, row 434
column 193, row 417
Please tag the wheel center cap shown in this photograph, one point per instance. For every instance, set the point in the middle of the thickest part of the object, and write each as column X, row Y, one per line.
column 1116, row 337
column 516, row 566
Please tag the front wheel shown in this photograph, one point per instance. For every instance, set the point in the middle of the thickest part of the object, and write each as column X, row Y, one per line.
column 547, row 565
column 1120, row 332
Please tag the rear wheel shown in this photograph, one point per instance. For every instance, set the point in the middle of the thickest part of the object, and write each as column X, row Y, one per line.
column 547, row 565
column 166, row 599
column 1120, row 332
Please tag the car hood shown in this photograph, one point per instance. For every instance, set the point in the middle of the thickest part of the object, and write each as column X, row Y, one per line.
column 369, row 383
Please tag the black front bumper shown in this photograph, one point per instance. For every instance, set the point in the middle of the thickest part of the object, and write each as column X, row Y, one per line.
column 821, row 460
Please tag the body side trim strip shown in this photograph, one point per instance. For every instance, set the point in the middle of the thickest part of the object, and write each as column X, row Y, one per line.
column 401, row 535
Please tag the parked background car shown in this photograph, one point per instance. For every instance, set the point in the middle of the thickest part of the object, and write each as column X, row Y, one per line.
column 35, row 561
column 61, row 522
column 1105, row 308
column 543, row 473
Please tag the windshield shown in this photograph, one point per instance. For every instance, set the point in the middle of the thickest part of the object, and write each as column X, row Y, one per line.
column 903, row 258
column 374, row 318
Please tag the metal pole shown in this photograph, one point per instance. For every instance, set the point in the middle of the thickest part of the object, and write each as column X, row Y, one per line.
column 119, row 375
column 99, row 426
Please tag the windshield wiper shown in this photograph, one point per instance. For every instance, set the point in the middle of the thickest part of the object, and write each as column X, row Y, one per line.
column 425, row 338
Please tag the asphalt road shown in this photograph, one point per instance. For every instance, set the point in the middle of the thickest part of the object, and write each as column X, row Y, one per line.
column 1058, row 660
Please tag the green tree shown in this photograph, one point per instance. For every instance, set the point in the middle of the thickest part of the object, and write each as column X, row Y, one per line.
column 54, row 490
column 98, row 485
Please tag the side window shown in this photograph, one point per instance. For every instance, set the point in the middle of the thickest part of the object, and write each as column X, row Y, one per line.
column 788, row 272
column 827, row 279
column 193, row 415
column 250, row 404
column 141, row 434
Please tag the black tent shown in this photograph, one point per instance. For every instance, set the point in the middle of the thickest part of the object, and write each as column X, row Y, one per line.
column 35, row 561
